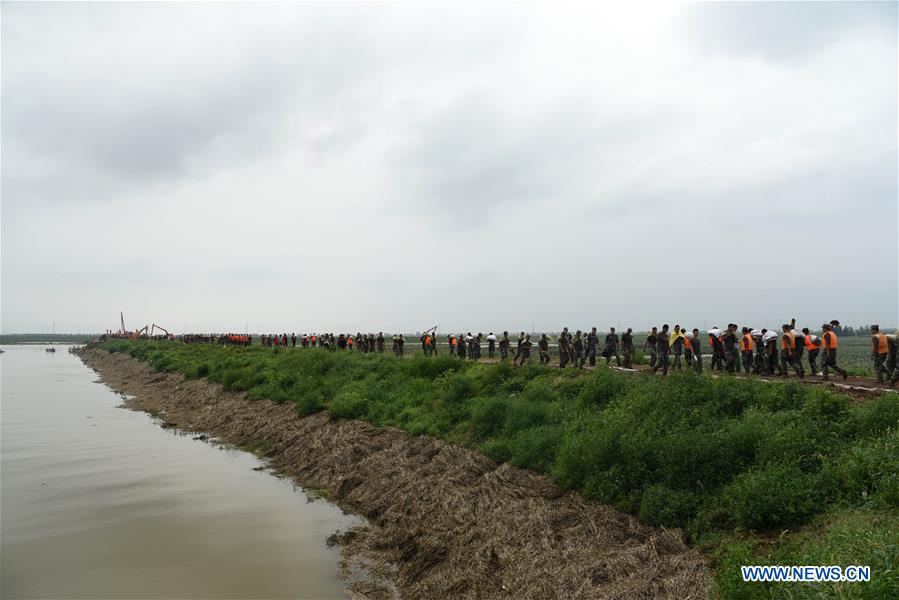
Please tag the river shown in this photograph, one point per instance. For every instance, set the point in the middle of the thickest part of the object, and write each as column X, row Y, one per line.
column 100, row 502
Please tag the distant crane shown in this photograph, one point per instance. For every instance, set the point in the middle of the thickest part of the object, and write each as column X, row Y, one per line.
column 161, row 328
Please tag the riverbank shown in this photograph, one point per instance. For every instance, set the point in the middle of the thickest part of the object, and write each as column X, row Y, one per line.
column 754, row 472
column 445, row 521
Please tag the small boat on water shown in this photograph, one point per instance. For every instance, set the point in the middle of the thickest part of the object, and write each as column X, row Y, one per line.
column 50, row 350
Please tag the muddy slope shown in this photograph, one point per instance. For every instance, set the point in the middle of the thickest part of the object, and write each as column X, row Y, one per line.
column 445, row 522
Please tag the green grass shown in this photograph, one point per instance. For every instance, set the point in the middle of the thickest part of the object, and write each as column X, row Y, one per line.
column 732, row 462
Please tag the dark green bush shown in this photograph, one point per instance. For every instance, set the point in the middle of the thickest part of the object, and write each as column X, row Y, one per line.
column 348, row 404
column 535, row 448
column 662, row 505
column 310, row 402
column 489, row 416
column 774, row 495
column 868, row 471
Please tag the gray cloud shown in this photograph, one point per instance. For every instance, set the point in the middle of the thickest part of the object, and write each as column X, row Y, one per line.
column 391, row 166
column 782, row 30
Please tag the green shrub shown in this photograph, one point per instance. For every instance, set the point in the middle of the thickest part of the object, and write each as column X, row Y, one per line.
column 499, row 449
column 349, row 404
column 523, row 414
column 662, row 505
column 535, row 448
column 868, row 471
column 489, row 416
column 310, row 402
column 774, row 495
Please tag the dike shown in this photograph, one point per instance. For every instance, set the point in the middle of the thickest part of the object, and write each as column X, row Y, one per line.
column 443, row 521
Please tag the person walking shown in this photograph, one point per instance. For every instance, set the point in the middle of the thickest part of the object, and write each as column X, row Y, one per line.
column 770, row 341
column 729, row 342
column 696, row 348
column 788, row 352
column 592, row 343
column 611, row 348
column 880, row 350
column 627, row 347
column 717, row 349
column 747, row 346
column 491, row 345
column 688, row 349
column 524, row 351
column 893, row 345
column 829, row 345
column 564, row 348
column 543, row 347
column 676, row 343
column 577, row 346
column 812, row 345
column 662, row 349
column 651, row 346
column 505, row 346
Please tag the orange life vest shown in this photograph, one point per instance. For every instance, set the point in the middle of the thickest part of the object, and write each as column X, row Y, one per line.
column 687, row 344
column 810, row 345
column 427, row 340
column 830, row 340
column 746, row 343
column 882, row 345
column 788, row 340
column 452, row 341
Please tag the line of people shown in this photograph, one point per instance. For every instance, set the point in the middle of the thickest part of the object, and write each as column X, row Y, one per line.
column 749, row 350
column 765, row 352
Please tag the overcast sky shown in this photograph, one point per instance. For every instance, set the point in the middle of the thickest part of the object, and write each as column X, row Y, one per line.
column 297, row 167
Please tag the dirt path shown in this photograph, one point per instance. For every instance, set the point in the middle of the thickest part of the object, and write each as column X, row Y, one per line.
column 444, row 521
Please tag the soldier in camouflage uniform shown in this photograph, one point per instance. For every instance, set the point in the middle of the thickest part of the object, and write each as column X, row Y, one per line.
column 543, row 346
column 564, row 348
column 524, row 351
column 677, row 348
column 662, row 350
column 627, row 347
column 651, row 346
column 612, row 347
column 577, row 346
column 504, row 346
column 696, row 349
column 730, row 342
column 760, row 359
column 592, row 343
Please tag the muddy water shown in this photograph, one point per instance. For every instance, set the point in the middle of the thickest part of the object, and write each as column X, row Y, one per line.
column 100, row 502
